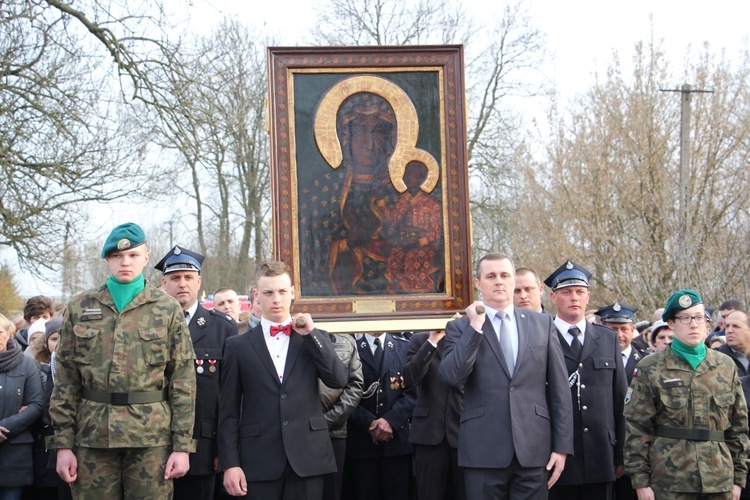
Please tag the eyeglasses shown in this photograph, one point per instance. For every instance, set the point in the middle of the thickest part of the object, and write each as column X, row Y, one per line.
column 685, row 320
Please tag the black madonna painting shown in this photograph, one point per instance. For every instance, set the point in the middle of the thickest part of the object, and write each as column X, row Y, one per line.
column 369, row 174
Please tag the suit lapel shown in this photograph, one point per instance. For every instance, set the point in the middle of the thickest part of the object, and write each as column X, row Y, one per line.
column 491, row 337
column 591, row 342
column 523, row 336
column 198, row 324
column 295, row 344
column 365, row 354
column 259, row 344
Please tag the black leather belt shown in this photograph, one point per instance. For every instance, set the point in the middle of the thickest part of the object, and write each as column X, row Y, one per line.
column 125, row 398
column 689, row 434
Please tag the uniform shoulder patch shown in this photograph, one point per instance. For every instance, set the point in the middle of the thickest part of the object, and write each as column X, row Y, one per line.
column 629, row 395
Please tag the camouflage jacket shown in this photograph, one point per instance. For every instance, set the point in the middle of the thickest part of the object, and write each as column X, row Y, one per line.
column 666, row 392
column 144, row 348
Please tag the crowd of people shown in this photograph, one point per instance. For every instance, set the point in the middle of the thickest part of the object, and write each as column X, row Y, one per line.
column 136, row 390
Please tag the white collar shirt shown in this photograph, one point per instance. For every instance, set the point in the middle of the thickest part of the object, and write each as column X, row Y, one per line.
column 563, row 327
column 278, row 345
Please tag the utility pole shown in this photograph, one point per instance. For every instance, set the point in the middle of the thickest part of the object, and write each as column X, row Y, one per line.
column 682, row 264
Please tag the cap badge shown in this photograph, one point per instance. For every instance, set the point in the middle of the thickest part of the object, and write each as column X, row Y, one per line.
column 123, row 244
column 569, row 265
column 616, row 307
column 685, row 301
column 177, row 250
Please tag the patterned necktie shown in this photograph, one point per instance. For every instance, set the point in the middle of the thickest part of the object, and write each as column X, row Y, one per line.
column 505, row 344
column 378, row 353
column 576, row 344
column 276, row 329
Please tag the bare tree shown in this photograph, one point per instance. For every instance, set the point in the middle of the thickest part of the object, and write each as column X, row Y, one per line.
column 605, row 192
column 390, row 22
column 212, row 115
column 65, row 137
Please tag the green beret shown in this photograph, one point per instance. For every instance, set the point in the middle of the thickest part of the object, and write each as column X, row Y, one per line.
column 679, row 301
column 124, row 236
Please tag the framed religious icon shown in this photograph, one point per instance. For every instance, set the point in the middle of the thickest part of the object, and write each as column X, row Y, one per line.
column 370, row 183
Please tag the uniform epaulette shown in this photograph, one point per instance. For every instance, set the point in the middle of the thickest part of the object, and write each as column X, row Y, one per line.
column 402, row 339
column 222, row 315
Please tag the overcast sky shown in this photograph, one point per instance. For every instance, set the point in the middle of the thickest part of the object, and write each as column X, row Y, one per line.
column 581, row 36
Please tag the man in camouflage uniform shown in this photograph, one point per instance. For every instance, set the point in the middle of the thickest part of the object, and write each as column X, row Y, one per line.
column 686, row 418
column 124, row 397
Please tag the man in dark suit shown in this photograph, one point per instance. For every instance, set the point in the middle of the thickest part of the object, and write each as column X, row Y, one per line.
column 738, row 342
column 620, row 318
column 434, row 421
column 378, row 452
column 181, row 279
column 516, row 424
column 273, row 436
column 597, row 389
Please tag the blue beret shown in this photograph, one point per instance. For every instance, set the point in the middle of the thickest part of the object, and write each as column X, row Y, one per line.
column 619, row 312
column 569, row 274
column 180, row 259
column 679, row 301
column 124, row 236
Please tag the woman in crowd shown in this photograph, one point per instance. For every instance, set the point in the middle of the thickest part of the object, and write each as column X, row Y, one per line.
column 45, row 478
column 661, row 335
column 20, row 407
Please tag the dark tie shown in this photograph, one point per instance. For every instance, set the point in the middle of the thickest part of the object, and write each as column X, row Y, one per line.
column 378, row 353
column 187, row 316
column 576, row 344
column 285, row 329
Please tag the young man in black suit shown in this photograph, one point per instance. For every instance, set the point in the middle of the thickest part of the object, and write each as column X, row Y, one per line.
column 273, row 436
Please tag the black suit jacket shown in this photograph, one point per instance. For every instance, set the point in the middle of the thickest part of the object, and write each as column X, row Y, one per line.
column 598, row 421
column 208, row 332
column 528, row 414
column 631, row 364
column 725, row 349
column 263, row 422
column 438, row 409
column 390, row 401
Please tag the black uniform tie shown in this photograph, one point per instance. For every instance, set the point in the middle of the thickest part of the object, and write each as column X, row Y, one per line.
column 378, row 353
column 576, row 344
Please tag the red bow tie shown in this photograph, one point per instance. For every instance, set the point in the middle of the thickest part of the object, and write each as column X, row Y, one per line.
column 287, row 329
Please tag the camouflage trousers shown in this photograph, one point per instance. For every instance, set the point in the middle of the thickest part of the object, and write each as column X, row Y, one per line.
column 122, row 474
column 674, row 495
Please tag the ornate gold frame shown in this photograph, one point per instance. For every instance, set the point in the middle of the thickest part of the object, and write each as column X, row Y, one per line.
column 306, row 88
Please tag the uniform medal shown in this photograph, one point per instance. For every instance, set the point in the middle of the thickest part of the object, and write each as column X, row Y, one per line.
column 199, row 362
column 212, row 368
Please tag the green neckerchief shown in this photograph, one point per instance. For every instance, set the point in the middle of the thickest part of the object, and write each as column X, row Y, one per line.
column 124, row 293
column 693, row 355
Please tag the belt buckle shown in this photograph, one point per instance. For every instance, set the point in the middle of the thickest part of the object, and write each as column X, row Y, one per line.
column 119, row 398
column 701, row 434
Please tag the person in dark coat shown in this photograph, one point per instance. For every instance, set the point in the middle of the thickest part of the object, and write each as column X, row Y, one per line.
column 378, row 452
column 516, row 425
column 21, row 403
column 209, row 330
column 273, row 437
column 434, row 421
column 597, row 388
column 620, row 317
